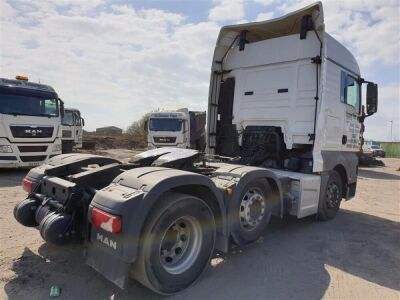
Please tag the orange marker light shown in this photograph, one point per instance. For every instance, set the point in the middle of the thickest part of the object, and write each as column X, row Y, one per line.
column 22, row 77
column 229, row 191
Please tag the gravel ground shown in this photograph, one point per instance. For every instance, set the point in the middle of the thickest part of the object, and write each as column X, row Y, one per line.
column 355, row 256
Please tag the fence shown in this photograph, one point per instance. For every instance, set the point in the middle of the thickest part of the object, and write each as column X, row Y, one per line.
column 392, row 149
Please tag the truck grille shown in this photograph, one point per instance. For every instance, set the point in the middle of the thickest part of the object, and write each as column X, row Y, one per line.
column 33, row 158
column 8, row 158
column 165, row 139
column 32, row 148
column 31, row 131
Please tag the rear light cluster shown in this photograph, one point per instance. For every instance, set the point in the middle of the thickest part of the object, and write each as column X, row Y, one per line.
column 27, row 185
column 106, row 221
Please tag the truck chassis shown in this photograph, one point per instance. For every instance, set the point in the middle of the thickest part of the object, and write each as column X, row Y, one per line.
column 159, row 217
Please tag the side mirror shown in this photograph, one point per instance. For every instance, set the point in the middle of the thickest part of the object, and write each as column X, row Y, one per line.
column 372, row 98
column 83, row 122
column 145, row 125
column 62, row 111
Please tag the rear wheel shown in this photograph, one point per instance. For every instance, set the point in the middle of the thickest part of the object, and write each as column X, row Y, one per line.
column 252, row 212
column 332, row 197
column 176, row 244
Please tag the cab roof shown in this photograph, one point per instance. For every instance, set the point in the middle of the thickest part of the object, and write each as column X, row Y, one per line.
column 288, row 24
column 282, row 26
column 13, row 83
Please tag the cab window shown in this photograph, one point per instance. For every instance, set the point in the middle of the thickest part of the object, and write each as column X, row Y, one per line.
column 77, row 119
column 350, row 91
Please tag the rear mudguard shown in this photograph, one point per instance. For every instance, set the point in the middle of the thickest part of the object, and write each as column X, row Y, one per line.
column 132, row 195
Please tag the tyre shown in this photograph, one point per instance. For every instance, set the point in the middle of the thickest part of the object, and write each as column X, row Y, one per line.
column 176, row 244
column 332, row 197
column 251, row 212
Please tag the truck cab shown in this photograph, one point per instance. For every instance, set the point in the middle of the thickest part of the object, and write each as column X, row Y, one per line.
column 285, row 94
column 30, row 118
column 72, row 132
column 179, row 128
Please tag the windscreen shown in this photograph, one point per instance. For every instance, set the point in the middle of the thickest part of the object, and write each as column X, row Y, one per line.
column 68, row 118
column 28, row 105
column 164, row 124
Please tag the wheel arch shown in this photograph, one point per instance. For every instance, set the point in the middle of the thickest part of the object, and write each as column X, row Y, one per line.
column 195, row 185
column 340, row 169
column 208, row 196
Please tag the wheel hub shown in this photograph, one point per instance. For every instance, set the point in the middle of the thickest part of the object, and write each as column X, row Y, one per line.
column 180, row 245
column 333, row 195
column 252, row 209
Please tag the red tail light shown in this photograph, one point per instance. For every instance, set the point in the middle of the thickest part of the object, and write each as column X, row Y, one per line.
column 106, row 221
column 27, row 185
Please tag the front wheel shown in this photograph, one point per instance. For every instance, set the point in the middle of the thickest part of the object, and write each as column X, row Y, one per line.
column 176, row 245
column 332, row 197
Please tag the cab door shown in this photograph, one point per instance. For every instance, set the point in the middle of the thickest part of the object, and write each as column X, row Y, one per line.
column 78, row 131
column 351, row 97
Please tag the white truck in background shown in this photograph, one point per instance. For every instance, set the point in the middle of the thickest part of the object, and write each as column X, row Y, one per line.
column 284, row 115
column 30, row 118
column 179, row 128
column 72, row 130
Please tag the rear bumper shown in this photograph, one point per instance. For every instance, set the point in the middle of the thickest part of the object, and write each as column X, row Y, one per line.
column 28, row 154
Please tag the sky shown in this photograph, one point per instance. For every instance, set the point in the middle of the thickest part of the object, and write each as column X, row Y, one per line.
column 117, row 60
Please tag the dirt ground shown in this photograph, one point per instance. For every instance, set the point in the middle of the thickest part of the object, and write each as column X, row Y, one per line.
column 355, row 256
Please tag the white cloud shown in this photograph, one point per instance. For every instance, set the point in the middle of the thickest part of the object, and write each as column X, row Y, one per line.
column 265, row 16
column 264, row 2
column 227, row 10
column 114, row 64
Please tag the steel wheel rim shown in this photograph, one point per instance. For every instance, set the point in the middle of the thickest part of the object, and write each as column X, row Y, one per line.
column 252, row 209
column 333, row 195
column 180, row 245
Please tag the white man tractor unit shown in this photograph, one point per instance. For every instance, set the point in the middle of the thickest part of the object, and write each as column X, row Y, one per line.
column 72, row 130
column 179, row 128
column 282, row 137
column 30, row 118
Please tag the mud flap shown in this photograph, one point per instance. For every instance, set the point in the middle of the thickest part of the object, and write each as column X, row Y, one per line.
column 110, row 266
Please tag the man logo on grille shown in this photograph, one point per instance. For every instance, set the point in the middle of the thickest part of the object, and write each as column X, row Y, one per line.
column 33, row 132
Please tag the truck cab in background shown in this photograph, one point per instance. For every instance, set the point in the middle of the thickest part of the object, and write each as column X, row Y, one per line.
column 30, row 118
column 181, row 128
column 72, row 132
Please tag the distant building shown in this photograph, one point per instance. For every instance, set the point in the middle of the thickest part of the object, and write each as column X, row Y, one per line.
column 112, row 130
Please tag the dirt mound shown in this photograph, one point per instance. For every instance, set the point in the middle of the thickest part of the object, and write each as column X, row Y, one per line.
column 95, row 141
